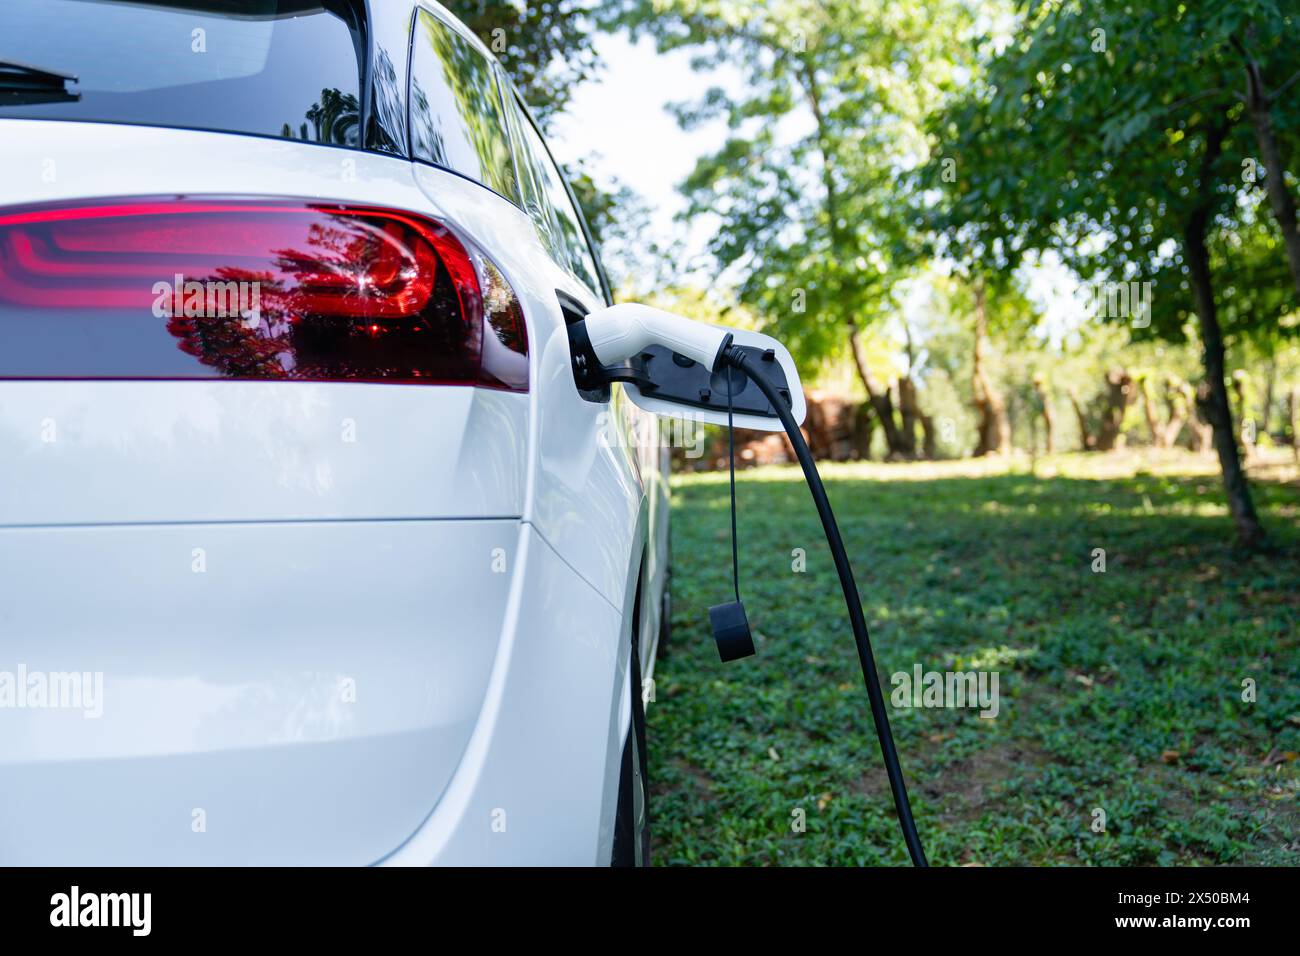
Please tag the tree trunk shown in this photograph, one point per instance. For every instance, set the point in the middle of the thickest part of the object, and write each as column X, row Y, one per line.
column 1087, row 441
column 877, row 396
column 1295, row 422
column 1239, row 390
column 1119, row 392
column 1149, row 411
column 907, row 430
column 994, row 426
column 1212, row 396
column 1279, row 196
column 862, row 431
column 928, row 446
column 1202, row 430
column 1178, row 399
column 1270, row 392
column 1049, row 418
column 910, row 408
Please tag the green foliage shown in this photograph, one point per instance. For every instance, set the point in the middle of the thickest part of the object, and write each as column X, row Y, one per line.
column 1088, row 136
column 804, row 188
column 1119, row 690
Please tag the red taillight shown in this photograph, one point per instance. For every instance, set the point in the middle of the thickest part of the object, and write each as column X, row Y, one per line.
column 251, row 289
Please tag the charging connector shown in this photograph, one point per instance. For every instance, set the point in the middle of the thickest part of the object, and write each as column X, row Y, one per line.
column 629, row 334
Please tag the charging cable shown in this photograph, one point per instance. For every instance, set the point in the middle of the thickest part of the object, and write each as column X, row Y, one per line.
column 731, row 463
column 736, row 358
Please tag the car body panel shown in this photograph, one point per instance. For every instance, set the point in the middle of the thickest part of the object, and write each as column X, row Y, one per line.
column 521, row 797
column 307, row 687
column 229, row 555
column 113, row 452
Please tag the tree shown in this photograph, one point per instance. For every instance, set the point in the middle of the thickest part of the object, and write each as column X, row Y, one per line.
column 994, row 313
column 1295, row 422
column 809, row 223
column 1045, row 409
column 1093, row 136
column 994, row 427
column 1263, row 33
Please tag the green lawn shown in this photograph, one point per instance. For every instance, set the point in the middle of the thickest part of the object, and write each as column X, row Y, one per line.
column 1120, row 691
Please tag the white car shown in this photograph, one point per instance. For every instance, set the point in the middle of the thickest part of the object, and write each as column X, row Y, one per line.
column 312, row 551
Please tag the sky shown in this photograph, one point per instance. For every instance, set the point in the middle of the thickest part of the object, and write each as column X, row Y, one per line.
column 619, row 124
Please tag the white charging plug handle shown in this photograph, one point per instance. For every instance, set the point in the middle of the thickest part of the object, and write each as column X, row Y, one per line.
column 621, row 331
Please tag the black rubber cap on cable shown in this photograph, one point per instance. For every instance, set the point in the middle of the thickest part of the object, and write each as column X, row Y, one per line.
column 731, row 631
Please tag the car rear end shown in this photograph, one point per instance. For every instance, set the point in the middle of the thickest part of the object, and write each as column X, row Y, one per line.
column 265, row 418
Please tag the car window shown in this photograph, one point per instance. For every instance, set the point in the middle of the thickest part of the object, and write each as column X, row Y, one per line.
column 272, row 67
column 547, row 201
column 457, row 120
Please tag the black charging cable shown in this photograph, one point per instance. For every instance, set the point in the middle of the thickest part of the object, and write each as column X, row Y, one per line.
column 731, row 461
column 736, row 358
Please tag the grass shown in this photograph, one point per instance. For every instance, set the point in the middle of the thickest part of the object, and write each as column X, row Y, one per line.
column 1119, row 691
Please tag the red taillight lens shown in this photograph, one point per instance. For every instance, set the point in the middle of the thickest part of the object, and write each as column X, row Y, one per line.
column 195, row 288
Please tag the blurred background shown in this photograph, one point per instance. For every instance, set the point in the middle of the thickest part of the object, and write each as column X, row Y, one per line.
column 1040, row 268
